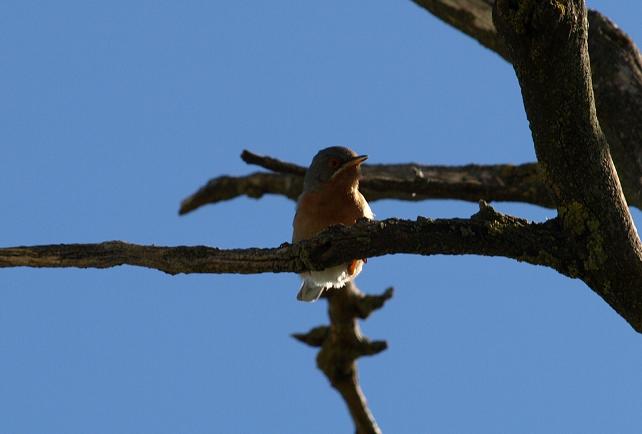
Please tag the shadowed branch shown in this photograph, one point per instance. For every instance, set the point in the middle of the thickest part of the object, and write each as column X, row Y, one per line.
column 547, row 43
column 615, row 67
column 486, row 233
column 413, row 182
column 342, row 344
column 570, row 251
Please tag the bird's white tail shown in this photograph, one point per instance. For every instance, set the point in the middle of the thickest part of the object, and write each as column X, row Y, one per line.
column 309, row 291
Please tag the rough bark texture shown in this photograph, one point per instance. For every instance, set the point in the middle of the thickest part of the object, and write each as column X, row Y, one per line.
column 575, row 249
column 342, row 344
column 616, row 66
column 486, row 233
column 413, row 182
column 548, row 47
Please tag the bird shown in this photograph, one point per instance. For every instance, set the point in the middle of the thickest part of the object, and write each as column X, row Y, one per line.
column 330, row 196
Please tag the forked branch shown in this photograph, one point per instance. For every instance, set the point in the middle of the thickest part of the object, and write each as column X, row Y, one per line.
column 342, row 344
column 615, row 67
column 413, row 182
column 547, row 44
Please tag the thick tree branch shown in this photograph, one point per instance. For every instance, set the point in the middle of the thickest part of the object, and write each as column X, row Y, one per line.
column 500, row 182
column 473, row 17
column 547, row 44
column 616, row 66
column 342, row 344
column 575, row 253
column 486, row 233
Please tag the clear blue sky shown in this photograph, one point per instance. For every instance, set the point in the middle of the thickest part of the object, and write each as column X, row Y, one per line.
column 112, row 112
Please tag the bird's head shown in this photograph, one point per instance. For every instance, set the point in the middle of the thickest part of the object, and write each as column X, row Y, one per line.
column 337, row 164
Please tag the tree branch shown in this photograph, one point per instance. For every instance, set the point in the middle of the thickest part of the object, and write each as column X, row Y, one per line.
column 254, row 185
column 616, row 66
column 414, row 182
column 486, row 233
column 473, row 17
column 547, row 43
column 342, row 344
column 573, row 251
column 272, row 163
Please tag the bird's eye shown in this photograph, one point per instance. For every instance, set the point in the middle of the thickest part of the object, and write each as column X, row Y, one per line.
column 334, row 163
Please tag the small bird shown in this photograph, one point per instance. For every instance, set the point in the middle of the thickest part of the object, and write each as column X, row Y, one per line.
column 330, row 196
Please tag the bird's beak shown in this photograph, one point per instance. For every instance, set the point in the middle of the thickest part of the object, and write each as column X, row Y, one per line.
column 355, row 161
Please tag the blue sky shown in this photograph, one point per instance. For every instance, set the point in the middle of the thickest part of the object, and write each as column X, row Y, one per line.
column 112, row 112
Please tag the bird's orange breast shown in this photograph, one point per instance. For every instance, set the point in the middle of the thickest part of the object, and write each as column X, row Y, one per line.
column 316, row 210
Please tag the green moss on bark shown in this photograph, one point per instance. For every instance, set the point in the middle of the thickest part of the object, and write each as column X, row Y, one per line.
column 585, row 226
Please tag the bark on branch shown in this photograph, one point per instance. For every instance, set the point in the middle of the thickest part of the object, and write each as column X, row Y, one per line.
column 616, row 67
column 487, row 233
column 547, row 43
column 414, row 182
column 574, row 252
column 342, row 344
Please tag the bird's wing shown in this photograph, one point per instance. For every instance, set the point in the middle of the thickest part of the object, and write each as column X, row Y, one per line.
column 367, row 212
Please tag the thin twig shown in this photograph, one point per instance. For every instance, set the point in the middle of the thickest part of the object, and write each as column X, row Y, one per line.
column 271, row 163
